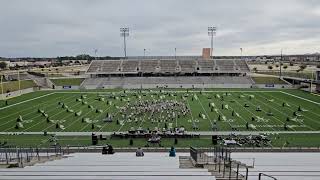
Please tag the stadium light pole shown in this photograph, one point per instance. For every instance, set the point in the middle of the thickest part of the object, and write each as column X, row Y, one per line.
column 212, row 32
column 144, row 53
column 280, row 74
column 311, row 81
column 124, row 32
column 19, row 82
column 175, row 53
column 95, row 54
column 2, row 86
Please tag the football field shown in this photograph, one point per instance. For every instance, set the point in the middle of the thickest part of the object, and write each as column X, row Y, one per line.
column 195, row 110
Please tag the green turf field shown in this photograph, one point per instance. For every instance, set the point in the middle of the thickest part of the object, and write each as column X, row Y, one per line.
column 279, row 140
column 14, row 85
column 222, row 110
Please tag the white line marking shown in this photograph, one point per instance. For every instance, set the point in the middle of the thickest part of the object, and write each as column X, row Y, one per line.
column 300, row 97
column 26, row 101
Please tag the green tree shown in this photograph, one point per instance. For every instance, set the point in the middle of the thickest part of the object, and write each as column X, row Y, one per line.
column 302, row 67
column 255, row 69
column 3, row 65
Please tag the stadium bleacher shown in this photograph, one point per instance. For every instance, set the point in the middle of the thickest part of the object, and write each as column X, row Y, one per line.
column 130, row 66
column 187, row 66
column 226, row 65
column 95, row 66
column 167, row 72
column 167, row 66
column 149, row 66
column 95, row 166
column 111, row 66
column 205, row 66
column 242, row 65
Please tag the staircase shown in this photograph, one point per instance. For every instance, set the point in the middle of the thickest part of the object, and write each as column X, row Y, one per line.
column 217, row 161
column 185, row 162
column 40, row 81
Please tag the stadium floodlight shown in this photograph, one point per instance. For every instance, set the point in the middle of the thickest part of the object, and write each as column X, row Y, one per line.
column 280, row 74
column 212, row 32
column 144, row 53
column 95, row 54
column 1, row 81
column 124, row 32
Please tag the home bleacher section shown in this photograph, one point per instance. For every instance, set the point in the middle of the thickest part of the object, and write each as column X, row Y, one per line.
column 170, row 73
column 167, row 66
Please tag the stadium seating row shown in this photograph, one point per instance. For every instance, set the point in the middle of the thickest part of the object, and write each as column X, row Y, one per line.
column 167, row 66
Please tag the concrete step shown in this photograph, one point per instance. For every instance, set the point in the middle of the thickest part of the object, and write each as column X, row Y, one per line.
column 185, row 162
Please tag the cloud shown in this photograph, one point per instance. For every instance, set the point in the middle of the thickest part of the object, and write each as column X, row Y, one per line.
column 57, row 27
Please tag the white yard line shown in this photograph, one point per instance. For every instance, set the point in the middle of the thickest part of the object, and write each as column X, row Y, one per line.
column 113, row 104
column 240, row 115
column 271, row 116
column 309, row 111
column 26, row 101
column 192, row 118
column 300, row 97
column 206, row 111
column 51, row 117
column 241, row 105
column 96, row 118
column 175, row 98
column 32, row 111
column 280, row 111
column 297, row 106
column 20, row 112
column 74, row 121
column 252, row 104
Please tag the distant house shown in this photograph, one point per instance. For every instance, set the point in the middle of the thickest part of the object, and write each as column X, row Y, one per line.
column 40, row 64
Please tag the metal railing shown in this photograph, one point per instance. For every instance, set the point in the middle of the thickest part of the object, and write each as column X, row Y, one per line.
column 266, row 175
column 22, row 155
column 220, row 158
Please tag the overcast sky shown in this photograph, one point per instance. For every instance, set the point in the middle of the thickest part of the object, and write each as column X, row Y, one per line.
column 50, row 28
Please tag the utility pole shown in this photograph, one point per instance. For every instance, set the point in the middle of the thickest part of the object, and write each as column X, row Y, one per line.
column 124, row 32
